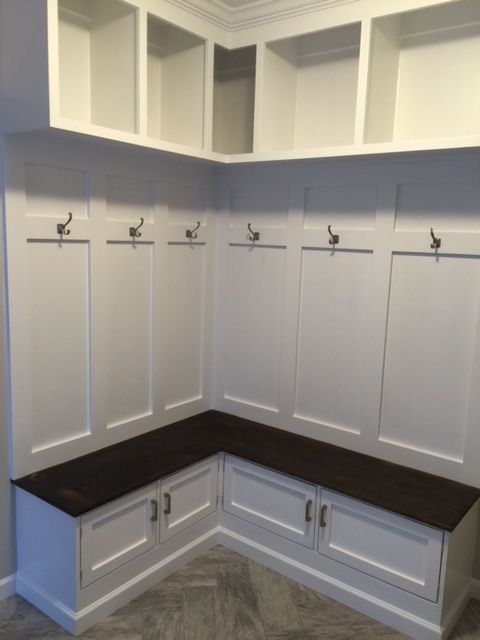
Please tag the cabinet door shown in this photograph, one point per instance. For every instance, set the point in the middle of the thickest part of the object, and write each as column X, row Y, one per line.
column 117, row 533
column 270, row 500
column 187, row 497
column 399, row 551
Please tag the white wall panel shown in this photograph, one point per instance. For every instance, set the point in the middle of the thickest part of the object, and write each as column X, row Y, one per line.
column 260, row 205
column 347, row 207
column 254, row 324
column 58, row 330
column 129, row 304
column 52, row 191
column 333, row 316
column 453, row 206
column 431, row 341
column 185, row 310
column 129, row 199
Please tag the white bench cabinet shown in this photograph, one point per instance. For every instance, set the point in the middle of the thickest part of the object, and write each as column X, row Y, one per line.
column 118, row 533
column 187, row 497
column 276, row 502
column 401, row 552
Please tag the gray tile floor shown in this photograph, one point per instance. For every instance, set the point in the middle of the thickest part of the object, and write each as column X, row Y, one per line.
column 222, row 596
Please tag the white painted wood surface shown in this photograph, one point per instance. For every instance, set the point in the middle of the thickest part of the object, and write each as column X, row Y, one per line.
column 270, row 500
column 188, row 497
column 103, row 344
column 142, row 72
column 118, row 533
column 382, row 544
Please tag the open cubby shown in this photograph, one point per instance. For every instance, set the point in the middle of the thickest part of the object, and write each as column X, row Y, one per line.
column 176, row 81
column 425, row 74
column 234, row 99
column 97, row 62
column 310, row 90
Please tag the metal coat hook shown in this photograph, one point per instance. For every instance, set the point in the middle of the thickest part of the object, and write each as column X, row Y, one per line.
column 436, row 242
column 334, row 238
column 62, row 228
column 191, row 234
column 254, row 235
column 134, row 231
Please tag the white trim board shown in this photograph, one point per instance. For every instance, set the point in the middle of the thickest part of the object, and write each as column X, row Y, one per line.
column 77, row 622
column 376, row 609
column 7, row 587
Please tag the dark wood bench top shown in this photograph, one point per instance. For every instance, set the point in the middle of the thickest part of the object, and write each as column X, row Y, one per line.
column 88, row 482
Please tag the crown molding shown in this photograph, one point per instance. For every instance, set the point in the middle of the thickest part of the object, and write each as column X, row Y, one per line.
column 254, row 13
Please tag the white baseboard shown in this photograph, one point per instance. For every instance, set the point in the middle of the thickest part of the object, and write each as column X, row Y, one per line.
column 369, row 605
column 77, row 623
column 475, row 592
column 7, row 587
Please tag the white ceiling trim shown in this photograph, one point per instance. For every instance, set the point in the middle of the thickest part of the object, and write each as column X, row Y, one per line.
column 234, row 18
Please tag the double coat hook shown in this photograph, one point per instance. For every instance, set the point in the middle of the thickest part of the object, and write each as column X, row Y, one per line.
column 436, row 242
column 254, row 235
column 134, row 231
column 192, row 234
column 62, row 228
column 334, row 238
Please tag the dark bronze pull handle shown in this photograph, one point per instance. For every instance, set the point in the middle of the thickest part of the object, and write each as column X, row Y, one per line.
column 323, row 513
column 308, row 511
column 154, row 506
column 168, row 503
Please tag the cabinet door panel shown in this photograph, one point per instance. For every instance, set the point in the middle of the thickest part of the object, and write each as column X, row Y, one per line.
column 270, row 500
column 187, row 497
column 117, row 533
column 399, row 551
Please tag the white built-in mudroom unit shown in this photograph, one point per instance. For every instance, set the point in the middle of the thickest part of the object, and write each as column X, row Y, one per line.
column 242, row 292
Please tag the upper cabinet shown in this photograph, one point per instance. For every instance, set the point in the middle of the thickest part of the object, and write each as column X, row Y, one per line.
column 351, row 78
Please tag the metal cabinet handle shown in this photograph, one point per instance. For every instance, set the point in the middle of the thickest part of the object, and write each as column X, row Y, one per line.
column 323, row 513
column 308, row 511
column 168, row 503
column 154, row 507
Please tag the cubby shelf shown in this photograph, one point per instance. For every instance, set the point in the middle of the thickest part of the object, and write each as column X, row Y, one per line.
column 310, row 90
column 358, row 80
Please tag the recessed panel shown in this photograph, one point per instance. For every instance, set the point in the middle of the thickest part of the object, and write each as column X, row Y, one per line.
column 254, row 325
column 432, row 326
column 344, row 207
column 58, row 342
column 129, row 331
column 263, row 206
column 331, row 348
column 129, row 199
column 185, row 309
column 186, row 204
column 453, row 206
column 51, row 192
